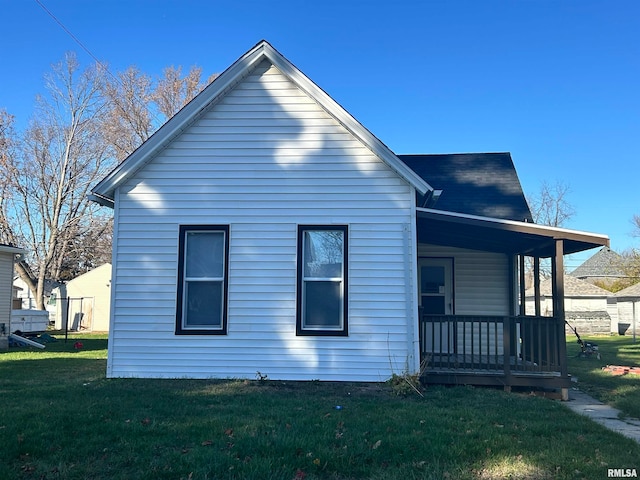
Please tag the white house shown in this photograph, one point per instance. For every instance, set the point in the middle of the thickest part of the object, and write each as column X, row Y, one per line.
column 23, row 292
column 7, row 257
column 84, row 301
column 629, row 309
column 264, row 229
column 589, row 308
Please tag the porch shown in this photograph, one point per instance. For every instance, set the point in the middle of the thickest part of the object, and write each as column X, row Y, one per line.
column 472, row 324
column 493, row 350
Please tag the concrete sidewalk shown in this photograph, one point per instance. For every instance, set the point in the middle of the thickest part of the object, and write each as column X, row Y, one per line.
column 603, row 414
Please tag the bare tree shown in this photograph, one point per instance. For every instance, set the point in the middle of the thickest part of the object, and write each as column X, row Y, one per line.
column 630, row 263
column 137, row 106
column 551, row 206
column 635, row 221
column 87, row 250
column 8, row 141
column 87, row 122
column 46, row 179
column 128, row 116
column 173, row 92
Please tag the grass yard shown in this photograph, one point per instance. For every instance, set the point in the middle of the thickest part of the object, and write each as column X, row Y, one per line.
column 62, row 419
column 622, row 392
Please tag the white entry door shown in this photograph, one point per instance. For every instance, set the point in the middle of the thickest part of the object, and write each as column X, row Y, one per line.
column 435, row 278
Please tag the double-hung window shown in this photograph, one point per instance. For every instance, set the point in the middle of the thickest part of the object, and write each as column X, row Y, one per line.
column 322, row 280
column 202, row 280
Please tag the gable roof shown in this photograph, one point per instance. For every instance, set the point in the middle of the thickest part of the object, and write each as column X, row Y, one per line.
column 604, row 263
column 89, row 274
column 632, row 291
column 573, row 287
column 480, row 184
column 48, row 287
column 103, row 192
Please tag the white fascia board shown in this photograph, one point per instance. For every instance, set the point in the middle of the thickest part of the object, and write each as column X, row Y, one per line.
column 219, row 87
column 532, row 228
column 100, row 200
column 10, row 249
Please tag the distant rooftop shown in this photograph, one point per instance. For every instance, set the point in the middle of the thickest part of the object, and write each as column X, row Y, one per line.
column 632, row 291
column 573, row 287
column 604, row 263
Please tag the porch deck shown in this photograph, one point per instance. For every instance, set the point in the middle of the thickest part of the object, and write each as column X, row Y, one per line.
column 503, row 351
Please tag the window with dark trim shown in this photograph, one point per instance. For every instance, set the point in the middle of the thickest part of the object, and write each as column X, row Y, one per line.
column 322, row 280
column 203, row 255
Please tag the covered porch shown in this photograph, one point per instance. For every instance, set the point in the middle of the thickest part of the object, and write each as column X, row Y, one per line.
column 473, row 327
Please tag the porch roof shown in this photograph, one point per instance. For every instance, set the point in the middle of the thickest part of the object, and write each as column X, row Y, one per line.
column 503, row 236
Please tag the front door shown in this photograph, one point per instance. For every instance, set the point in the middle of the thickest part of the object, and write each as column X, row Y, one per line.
column 435, row 278
column 436, row 289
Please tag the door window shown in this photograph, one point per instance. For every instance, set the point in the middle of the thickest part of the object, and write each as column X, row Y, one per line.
column 436, row 292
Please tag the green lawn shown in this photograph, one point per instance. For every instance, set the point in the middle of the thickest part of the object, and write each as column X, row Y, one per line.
column 622, row 392
column 62, row 419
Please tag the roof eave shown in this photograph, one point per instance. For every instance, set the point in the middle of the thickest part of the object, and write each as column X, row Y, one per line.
column 12, row 249
column 101, row 200
column 586, row 239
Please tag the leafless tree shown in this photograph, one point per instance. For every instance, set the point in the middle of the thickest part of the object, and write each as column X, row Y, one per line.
column 87, row 122
column 635, row 221
column 46, row 180
column 551, row 205
column 137, row 106
column 173, row 91
column 128, row 118
column 8, row 140
column 630, row 263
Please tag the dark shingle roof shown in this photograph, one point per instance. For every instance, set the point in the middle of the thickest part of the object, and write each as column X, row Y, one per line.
column 483, row 184
column 604, row 263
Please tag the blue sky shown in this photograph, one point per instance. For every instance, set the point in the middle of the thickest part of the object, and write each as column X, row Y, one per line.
column 556, row 83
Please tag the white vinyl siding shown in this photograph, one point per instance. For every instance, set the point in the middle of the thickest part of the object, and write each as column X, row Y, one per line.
column 480, row 287
column 481, row 279
column 264, row 160
column 626, row 309
column 6, row 292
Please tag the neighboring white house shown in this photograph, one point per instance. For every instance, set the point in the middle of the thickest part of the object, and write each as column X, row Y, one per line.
column 264, row 229
column 629, row 308
column 84, row 301
column 590, row 309
column 23, row 292
column 7, row 258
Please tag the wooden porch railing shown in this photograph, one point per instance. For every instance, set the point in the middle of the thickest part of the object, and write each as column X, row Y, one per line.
column 493, row 344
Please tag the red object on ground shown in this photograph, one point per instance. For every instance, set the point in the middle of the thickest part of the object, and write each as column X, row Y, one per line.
column 621, row 370
column 77, row 345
